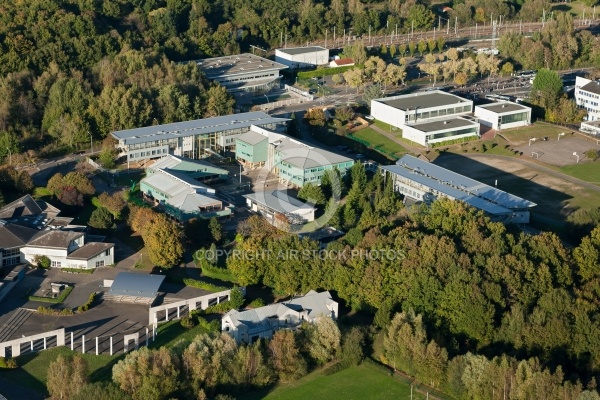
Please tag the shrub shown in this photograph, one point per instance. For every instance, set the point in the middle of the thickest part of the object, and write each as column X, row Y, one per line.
column 256, row 303
column 592, row 154
column 78, row 270
column 54, row 311
column 203, row 285
column 8, row 363
column 87, row 305
column 41, row 261
column 188, row 322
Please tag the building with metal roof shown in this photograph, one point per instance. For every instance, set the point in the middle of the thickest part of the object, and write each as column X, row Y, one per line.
column 261, row 323
column 277, row 205
column 587, row 95
column 503, row 115
column 423, row 181
column 183, row 197
column 199, row 170
column 191, row 139
column 131, row 287
column 30, row 228
column 242, row 72
column 412, row 109
column 302, row 57
column 296, row 163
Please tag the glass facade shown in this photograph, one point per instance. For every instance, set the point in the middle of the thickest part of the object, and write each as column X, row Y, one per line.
column 507, row 119
column 442, row 135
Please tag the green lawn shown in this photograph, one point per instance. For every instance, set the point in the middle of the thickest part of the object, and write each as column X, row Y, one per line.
column 33, row 368
column 367, row 381
column 589, row 171
column 379, row 142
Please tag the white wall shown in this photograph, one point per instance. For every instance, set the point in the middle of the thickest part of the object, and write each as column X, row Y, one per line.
column 387, row 114
column 417, row 136
column 487, row 117
column 311, row 58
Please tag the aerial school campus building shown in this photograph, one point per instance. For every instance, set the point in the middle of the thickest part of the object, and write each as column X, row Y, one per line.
column 436, row 116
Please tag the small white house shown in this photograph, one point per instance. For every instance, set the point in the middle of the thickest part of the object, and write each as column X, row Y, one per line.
column 302, row 57
column 261, row 323
column 503, row 115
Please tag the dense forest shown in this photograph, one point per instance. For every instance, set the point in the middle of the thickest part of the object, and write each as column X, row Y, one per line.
column 479, row 286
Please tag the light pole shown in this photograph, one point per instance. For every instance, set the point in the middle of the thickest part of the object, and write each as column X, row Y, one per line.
column 575, row 154
column 91, row 144
column 268, row 102
column 9, row 156
column 559, row 135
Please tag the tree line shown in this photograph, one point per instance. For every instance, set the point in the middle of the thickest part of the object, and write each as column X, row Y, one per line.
column 480, row 286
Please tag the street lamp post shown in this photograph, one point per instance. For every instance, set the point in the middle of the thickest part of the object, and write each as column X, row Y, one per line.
column 9, row 156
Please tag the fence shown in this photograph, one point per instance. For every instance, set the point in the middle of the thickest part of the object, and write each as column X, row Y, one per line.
column 178, row 309
column 302, row 93
column 280, row 103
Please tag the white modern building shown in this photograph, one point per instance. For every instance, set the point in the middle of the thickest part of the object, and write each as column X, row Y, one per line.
column 441, row 130
column 191, row 139
column 277, row 205
column 425, row 182
column 591, row 127
column 242, row 72
column 302, row 57
column 30, row 228
column 261, row 323
column 427, row 117
column 503, row 115
column 587, row 95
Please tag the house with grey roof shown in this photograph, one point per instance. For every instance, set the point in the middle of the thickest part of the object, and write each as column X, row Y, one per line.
column 191, row 139
column 424, row 182
column 296, row 163
column 261, row 323
column 200, row 170
column 181, row 196
column 30, row 228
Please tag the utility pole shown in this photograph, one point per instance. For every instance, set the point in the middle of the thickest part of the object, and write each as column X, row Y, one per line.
column 475, row 30
column 91, row 143
column 448, row 27
column 455, row 25
column 334, row 36
column 326, row 38
column 412, row 30
column 370, row 35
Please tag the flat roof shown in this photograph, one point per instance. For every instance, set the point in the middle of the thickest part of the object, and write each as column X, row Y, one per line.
column 593, row 87
column 239, row 64
column 443, row 124
column 252, row 137
column 195, row 127
column 591, row 123
column 504, row 107
column 301, row 50
column 434, row 98
column 457, row 186
column 279, row 201
column 137, row 285
column 178, row 163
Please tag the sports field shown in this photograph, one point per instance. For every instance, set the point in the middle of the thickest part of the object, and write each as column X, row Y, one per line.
column 367, row 381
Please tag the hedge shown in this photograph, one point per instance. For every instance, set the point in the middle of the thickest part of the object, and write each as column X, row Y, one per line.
column 87, row 305
column 324, row 72
column 212, row 271
column 55, row 300
column 203, row 285
column 454, row 141
column 54, row 311
column 78, row 270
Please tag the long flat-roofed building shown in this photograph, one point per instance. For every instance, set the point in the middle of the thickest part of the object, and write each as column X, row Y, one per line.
column 242, row 72
column 503, row 115
column 441, row 130
column 302, row 57
column 191, row 139
column 427, row 118
column 423, row 181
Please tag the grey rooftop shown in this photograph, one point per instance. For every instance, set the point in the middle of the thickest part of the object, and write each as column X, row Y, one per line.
column 442, row 124
column 278, row 200
column 134, row 284
column 301, row 50
column 457, row 186
column 412, row 101
column 593, row 87
column 240, row 64
column 504, row 107
column 195, row 127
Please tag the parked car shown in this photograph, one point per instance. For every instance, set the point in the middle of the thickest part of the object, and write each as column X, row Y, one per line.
column 359, row 156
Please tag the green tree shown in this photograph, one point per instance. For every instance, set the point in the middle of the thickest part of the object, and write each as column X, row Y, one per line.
column 220, row 102
column 249, row 368
column 312, row 194
column 323, row 339
column 285, row 356
column 355, row 78
column 440, row 44
column 101, row 391
column 372, row 92
column 66, row 377
column 352, row 353
column 411, row 48
column 147, row 373
column 162, row 239
column 101, row 218
column 107, row 158
column 419, row 16
column 546, row 88
column 422, row 46
column 114, row 203
column 216, row 230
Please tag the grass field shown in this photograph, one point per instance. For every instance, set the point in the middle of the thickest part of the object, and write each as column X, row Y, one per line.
column 589, row 172
column 380, row 142
column 367, row 381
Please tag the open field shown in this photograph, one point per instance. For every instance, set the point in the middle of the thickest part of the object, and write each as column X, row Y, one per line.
column 366, row 381
column 589, row 172
column 380, row 142
column 555, row 196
